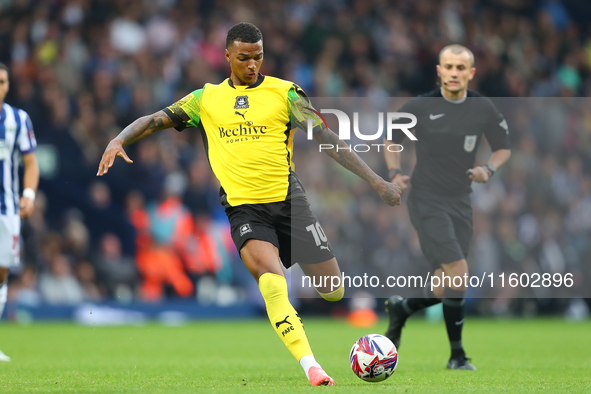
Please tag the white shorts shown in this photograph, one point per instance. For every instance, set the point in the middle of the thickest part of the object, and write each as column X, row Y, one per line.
column 10, row 232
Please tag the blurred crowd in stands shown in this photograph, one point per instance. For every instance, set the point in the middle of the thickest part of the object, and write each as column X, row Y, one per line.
column 84, row 69
column 534, row 214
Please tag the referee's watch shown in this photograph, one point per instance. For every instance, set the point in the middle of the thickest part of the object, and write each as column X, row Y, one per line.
column 491, row 169
column 392, row 172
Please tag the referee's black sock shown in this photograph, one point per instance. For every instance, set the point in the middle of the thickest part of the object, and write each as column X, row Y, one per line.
column 453, row 313
column 411, row 305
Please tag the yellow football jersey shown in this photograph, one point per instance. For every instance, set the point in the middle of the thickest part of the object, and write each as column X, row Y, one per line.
column 248, row 134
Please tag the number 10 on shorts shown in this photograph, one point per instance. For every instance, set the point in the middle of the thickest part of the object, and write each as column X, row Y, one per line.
column 318, row 233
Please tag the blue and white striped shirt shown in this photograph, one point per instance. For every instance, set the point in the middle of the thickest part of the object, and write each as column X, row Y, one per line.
column 16, row 137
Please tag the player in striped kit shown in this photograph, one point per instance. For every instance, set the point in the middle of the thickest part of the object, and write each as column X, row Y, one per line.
column 16, row 137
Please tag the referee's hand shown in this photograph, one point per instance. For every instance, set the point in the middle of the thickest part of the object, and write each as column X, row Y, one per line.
column 401, row 180
column 478, row 175
column 389, row 192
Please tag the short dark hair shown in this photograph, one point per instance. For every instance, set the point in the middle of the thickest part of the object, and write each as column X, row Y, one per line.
column 4, row 67
column 243, row 32
column 456, row 49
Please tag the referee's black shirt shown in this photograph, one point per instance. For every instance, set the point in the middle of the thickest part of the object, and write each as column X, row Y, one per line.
column 448, row 134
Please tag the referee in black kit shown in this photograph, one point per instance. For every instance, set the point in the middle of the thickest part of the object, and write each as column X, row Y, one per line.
column 450, row 124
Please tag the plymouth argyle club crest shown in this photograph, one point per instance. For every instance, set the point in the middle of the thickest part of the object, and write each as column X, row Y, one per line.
column 241, row 102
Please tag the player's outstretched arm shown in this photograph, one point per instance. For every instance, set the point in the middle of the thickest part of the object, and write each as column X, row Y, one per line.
column 389, row 192
column 136, row 131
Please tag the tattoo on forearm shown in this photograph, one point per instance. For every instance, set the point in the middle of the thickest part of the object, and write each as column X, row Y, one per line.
column 345, row 156
column 143, row 127
column 156, row 123
column 134, row 132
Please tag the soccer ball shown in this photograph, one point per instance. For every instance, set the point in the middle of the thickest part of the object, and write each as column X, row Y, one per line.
column 373, row 358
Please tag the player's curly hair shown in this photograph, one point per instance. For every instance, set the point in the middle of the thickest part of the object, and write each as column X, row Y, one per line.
column 243, row 32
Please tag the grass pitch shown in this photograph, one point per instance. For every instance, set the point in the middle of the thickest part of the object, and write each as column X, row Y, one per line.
column 246, row 356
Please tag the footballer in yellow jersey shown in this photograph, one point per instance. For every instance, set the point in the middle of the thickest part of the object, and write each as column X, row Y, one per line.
column 248, row 122
column 248, row 132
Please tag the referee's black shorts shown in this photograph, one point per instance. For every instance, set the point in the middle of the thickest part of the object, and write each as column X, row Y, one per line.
column 289, row 225
column 443, row 224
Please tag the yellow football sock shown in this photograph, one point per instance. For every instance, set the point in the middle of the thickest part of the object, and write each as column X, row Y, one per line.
column 336, row 295
column 284, row 318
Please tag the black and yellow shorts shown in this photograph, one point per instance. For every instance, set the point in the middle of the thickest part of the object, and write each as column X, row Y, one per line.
column 289, row 225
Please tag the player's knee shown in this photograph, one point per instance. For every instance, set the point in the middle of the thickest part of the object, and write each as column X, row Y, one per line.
column 333, row 296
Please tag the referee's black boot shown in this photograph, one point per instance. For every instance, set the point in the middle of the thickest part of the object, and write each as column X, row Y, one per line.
column 460, row 362
column 397, row 319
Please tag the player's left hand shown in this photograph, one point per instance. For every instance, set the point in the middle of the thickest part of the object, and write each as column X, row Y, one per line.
column 26, row 207
column 479, row 175
column 389, row 192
